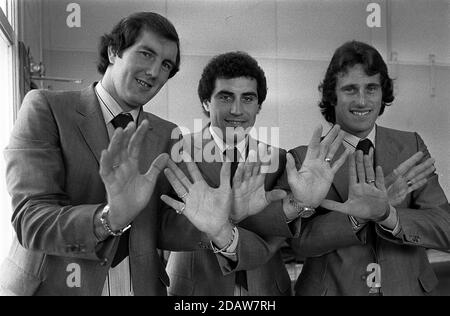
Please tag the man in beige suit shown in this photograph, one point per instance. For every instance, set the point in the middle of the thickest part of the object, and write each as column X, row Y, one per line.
column 72, row 224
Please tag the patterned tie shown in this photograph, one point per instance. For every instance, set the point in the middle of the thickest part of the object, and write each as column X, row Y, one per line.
column 122, row 121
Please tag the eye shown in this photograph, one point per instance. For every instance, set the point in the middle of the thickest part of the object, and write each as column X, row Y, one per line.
column 249, row 99
column 349, row 90
column 225, row 98
column 372, row 89
column 146, row 54
column 167, row 66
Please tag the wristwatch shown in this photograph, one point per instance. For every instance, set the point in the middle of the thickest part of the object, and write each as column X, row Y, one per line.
column 302, row 211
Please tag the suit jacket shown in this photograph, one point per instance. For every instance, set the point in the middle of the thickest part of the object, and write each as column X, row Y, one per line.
column 204, row 273
column 337, row 258
column 52, row 175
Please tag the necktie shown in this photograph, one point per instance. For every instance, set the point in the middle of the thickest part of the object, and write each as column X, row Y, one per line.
column 233, row 156
column 364, row 145
column 122, row 121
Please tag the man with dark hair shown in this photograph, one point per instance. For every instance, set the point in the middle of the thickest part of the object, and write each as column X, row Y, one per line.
column 365, row 239
column 73, row 234
column 232, row 89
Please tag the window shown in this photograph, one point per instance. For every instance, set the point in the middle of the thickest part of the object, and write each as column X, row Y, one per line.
column 7, row 92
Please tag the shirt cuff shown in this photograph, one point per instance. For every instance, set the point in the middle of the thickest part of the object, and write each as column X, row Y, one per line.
column 355, row 224
column 396, row 229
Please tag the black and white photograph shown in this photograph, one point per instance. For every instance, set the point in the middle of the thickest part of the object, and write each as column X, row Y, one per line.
column 231, row 152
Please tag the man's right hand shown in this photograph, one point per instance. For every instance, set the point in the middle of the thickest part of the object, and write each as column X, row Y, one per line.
column 128, row 191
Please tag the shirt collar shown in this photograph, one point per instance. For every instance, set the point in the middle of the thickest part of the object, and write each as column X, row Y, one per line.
column 110, row 107
column 224, row 147
column 351, row 141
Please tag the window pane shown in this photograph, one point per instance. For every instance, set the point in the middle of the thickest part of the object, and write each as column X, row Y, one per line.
column 6, row 122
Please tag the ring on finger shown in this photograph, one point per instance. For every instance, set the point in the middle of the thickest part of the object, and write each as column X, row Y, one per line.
column 184, row 195
column 370, row 181
column 328, row 160
column 179, row 212
column 409, row 183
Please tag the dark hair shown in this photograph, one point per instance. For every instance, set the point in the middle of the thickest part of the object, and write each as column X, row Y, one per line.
column 228, row 66
column 127, row 31
column 345, row 57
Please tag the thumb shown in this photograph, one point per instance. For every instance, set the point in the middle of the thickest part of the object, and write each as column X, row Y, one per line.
column 334, row 206
column 275, row 195
column 158, row 165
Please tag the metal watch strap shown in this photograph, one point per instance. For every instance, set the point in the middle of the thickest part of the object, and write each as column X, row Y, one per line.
column 302, row 211
column 104, row 219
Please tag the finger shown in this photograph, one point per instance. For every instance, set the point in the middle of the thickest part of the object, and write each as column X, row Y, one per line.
column 352, row 177
column 417, row 185
column 379, row 180
column 335, row 145
column 291, row 169
column 238, row 175
column 192, row 168
column 338, row 163
column 158, row 165
column 176, row 205
column 225, row 174
column 360, row 166
column 176, row 184
column 115, row 145
column 179, row 174
column 248, row 168
column 314, row 144
column 128, row 133
column 137, row 139
column 422, row 170
column 405, row 166
column 334, row 206
column 275, row 195
column 106, row 165
column 327, row 141
column 368, row 166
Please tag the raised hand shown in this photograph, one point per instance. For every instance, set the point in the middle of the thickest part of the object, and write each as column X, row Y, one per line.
column 367, row 197
column 408, row 177
column 311, row 183
column 207, row 208
column 128, row 191
column 249, row 195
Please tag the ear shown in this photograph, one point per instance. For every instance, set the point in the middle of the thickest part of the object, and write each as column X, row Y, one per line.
column 206, row 106
column 259, row 108
column 112, row 55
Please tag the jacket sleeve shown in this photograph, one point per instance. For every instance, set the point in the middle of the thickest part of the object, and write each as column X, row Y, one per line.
column 43, row 215
column 424, row 215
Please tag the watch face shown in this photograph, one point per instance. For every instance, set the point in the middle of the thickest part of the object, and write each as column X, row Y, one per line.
column 307, row 212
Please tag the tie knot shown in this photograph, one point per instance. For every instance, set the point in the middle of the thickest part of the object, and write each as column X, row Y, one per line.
column 364, row 145
column 122, row 120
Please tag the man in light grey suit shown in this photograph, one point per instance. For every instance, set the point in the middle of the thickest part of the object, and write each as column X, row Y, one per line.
column 365, row 240
column 72, row 224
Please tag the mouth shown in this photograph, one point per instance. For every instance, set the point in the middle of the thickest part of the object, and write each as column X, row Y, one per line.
column 144, row 84
column 360, row 113
column 235, row 123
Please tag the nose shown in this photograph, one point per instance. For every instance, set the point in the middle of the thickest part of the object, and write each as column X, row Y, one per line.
column 236, row 108
column 153, row 69
column 362, row 98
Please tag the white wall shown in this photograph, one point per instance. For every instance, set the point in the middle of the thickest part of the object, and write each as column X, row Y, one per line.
column 293, row 41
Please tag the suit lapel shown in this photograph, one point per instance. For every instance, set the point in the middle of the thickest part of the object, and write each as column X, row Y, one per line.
column 386, row 151
column 91, row 123
column 340, row 181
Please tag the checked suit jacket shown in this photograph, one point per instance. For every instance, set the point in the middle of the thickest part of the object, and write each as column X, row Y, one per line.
column 337, row 258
